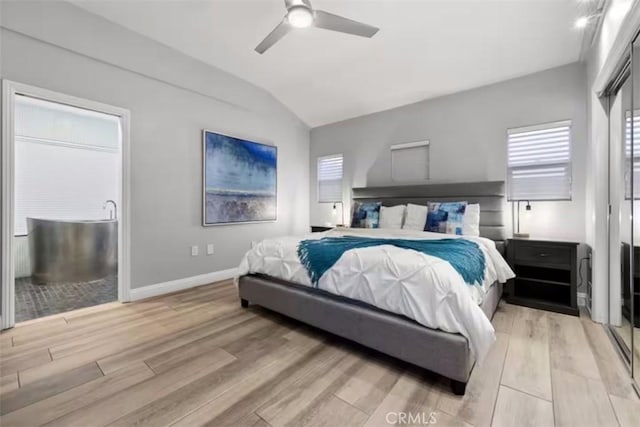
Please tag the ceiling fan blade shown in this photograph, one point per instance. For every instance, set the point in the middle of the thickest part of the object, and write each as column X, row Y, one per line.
column 279, row 32
column 329, row 21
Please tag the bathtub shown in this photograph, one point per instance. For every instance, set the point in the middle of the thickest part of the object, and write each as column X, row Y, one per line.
column 73, row 251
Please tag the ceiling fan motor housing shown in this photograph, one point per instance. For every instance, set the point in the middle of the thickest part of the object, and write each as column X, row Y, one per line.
column 298, row 3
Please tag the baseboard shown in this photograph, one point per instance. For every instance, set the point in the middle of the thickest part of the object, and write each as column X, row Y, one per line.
column 582, row 299
column 181, row 284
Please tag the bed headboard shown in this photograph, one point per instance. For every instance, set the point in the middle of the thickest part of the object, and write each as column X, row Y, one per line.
column 489, row 194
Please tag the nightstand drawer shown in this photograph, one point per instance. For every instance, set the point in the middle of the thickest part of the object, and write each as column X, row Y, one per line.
column 320, row 228
column 543, row 254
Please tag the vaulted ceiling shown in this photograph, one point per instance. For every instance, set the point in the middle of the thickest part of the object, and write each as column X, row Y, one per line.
column 424, row 48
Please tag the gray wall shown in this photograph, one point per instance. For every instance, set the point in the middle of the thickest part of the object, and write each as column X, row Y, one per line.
column 171, row 97
column 467, row 134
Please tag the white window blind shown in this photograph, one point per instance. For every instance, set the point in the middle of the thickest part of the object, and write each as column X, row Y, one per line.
column 67, row 162
column 330, row 178
column 628, row 155
column 539, row 162
column 410, row 161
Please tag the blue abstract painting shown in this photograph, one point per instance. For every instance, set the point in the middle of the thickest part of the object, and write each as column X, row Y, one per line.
column 240, row 180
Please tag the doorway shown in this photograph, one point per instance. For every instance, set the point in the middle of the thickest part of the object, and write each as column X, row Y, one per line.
column 64, row 203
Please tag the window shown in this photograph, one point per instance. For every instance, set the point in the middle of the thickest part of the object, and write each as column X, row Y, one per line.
column 66, row 162
column 330, row 179
column 410, row 161
column 539, row 162
column 636, row 156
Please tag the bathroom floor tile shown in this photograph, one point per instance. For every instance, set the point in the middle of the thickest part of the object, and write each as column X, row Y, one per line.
column 35, row 299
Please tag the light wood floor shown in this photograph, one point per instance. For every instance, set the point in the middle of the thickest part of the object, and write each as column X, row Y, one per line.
column 625, row 331
column 197, row 358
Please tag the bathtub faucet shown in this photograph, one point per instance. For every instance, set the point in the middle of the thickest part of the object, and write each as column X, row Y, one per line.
column 113, row 214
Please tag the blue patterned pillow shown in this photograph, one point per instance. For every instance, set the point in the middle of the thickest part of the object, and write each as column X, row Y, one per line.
column 446, row 217
column 366, row 215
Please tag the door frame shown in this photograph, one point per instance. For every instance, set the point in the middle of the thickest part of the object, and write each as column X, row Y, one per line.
column 9, row 91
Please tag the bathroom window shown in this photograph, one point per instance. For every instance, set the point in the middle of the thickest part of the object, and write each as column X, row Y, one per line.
column 65, row 162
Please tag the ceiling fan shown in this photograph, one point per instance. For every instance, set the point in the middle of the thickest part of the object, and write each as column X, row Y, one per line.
column 300, row 14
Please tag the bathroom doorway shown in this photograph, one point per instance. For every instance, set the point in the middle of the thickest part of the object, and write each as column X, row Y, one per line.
column 64, row 203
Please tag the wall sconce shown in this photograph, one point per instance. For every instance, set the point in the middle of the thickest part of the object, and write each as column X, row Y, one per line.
column 521, row 233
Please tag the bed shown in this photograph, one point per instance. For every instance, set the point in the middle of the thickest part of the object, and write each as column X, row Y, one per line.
column 449, row 348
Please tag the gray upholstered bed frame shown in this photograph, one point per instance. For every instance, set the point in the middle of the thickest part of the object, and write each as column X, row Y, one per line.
column 489, row 194
column 445, row 353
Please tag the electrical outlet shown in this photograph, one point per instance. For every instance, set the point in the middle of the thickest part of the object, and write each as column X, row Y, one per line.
column 194, row 250
column 210, row 249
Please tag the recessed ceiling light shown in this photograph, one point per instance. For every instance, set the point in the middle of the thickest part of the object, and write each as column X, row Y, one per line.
column 582, row 22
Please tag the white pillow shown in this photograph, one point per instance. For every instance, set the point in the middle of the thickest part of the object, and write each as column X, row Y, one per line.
column 391, row 217
column 416, row 217
column 471, row 220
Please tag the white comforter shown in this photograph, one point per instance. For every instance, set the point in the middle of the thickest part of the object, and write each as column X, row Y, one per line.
column 422, row 287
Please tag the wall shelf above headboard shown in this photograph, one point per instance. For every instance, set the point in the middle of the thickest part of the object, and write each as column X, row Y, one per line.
column 491, row 195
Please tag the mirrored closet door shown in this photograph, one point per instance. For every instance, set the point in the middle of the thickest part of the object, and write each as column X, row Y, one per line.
column 631, row 292
column 624, row 196
column 620, row 223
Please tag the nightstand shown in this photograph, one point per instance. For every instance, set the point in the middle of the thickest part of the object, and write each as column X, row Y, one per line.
column 546, row 274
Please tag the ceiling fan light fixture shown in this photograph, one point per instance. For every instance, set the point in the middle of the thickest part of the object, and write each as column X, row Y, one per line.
column 300, row 14
column 582, row 21
column 300, row 17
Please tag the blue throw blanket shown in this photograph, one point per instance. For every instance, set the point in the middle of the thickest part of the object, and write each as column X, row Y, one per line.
column 465, row 256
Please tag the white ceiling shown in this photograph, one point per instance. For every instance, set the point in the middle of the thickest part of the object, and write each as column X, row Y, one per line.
column 425, row 48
